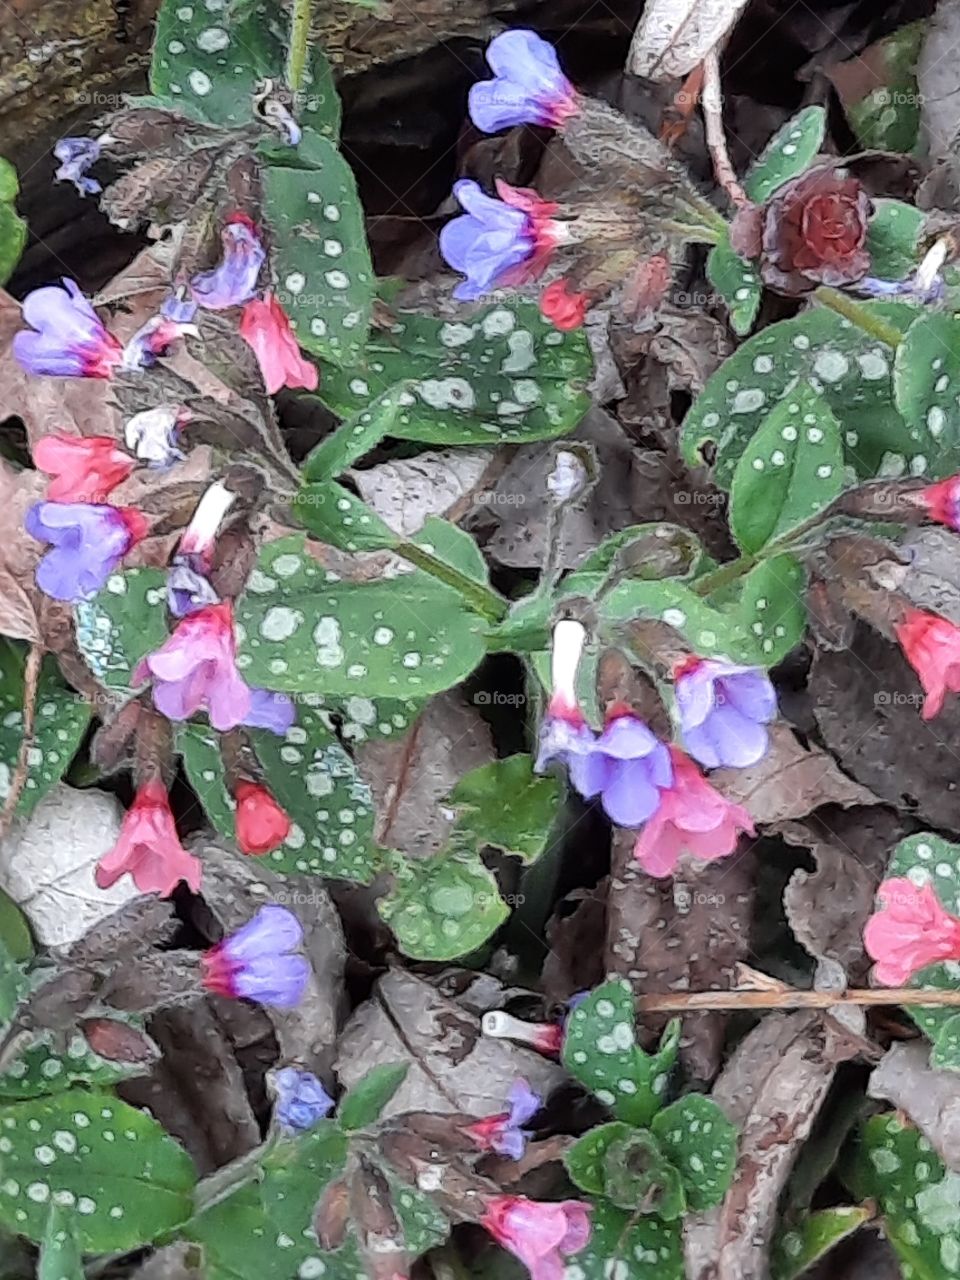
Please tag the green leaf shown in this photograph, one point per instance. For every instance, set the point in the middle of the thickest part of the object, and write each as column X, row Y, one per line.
column 363, row 1103
column 892, row 237
column 585, row 1160
column 697, row 1137
column 625, row 1246
column 14, row 985
column 712, row 632
column 771, row 606
column 355, row 437
column 42, row 1069
column 504, row 376
column 13, row 229
column 637, row 1176
column 888, row 117
column 408, row 636
column 443, row 906
column 60, row 721
column 60, row 1255
column 122, row 624
column 329, row 804
column 919, row 1199
column 926, row 383
column 199, row 746
column 737, row 283
column 791, row 469
column 338, row 517
column 320, row 254
column 208, row 61
column 852, row 372
column 797, row 1248
column 506, row 805
column 127, row 1181
column 601, row 1052
column 15, row 936
column 788, row 153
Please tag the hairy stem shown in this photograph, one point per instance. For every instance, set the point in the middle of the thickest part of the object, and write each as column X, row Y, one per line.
column 859, row 315
column 711, row 100
column 480, row 598
column 299, row 40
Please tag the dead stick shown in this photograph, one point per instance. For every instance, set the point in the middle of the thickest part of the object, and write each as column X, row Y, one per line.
column 711, row 99
column 694, row 1001
column 31, row 675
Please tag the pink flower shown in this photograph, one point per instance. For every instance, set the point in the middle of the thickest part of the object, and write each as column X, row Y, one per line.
column 541, row 1235
column 262, row 824
column 84, row 468
column 564, row 307
column 911, row 930
column 265, row 327
column 942, row 501
column 692, row 817
column 931, row 645
column 148, row 848
column 196, row 669
column 504, row 1133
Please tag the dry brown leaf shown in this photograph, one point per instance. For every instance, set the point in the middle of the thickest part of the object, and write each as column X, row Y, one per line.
column 674, row 36
column 930, row 1098
column 18, row 553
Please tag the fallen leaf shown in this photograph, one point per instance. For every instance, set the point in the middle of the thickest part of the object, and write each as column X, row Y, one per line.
column 930, row 1098
column 674, row 36
column 938, row 77
column 406, row 491
column 18, row 553
column 453, row 1067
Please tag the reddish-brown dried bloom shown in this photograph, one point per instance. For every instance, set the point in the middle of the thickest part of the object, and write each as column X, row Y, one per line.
column 815, row 232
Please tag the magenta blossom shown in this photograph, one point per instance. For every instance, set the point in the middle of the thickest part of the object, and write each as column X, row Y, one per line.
column 258, row 962
column 88, row 542
column 76, row 155
column 499, row 242
column 528, row 85
column 234, row 280
column 941, row 502
column 196, row 669
column 540, row 1234
column 503, row 1133
column 67, row 338
column 911, row 930
column 724, row 710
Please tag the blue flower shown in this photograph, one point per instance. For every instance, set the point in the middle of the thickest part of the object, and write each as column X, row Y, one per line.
column 88, row 542
column 66, row 338
column 504, row 1133
column 234, row 280
column 301, row 1099
column 498, row 242
column 76, row 155
column 258, row 961
column 528, row 85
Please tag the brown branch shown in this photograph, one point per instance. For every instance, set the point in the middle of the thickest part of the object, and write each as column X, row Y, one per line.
column 31, row 676
column 695, row 1001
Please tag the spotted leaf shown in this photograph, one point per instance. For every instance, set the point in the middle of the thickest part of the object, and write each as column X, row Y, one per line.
column 892, row 237
column 737, row 283
column 798, row 1247
column 850, row 370
column 709, row 630
column 355, row 437
column 627, row 1246
column 298, row 630
column 329, row 804
column 208, row 62
column 13, row 229
column 338, row 517
column 585, row 1161
column 199, row 747
column 60, row 1254
column 122, row 624
column 926, row 384
column 791, row 469
column 788, row 153
column 600, row 1050
column 771, row 605
column 700, row 1141
column 43, row 1069
column 505, row 375
column 505, row 804
column 126, row 1181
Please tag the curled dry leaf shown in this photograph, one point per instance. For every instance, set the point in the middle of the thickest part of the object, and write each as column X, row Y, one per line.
column 930, row 1098
column 18, row 553
column 674, row 36
column 453, row 1067
column 406, row 491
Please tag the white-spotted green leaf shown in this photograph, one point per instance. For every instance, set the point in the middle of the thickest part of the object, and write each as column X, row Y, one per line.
column 43, row 1069
column 59, row 723
column 852, row 372
column 738, row 284
column 338, row 517
column 13, row 229
column 355, row 437
column 788, row 153
column 926, row 384
column 401, row 637
column 444, row 906
column 199, row 747
column 700, row 1141
column 14, row 985
column 60, row 1254
column 710, row 631
column 895, row 1165
column 585, row 1160
column 360, row 719
column 504, row 376
column 209, row 60
column 888, row 117
column 505, row 804
column 600, row 1050
column 316, row 781
column 771, row 606
column 124, row 1178
column 638, row 1175
column 791, row 469
column 798, row 1247
column 892, row 236
column 627, row 1246
column 320, row 257
column 122, row 624
column 15, row 936
column 363, row 1103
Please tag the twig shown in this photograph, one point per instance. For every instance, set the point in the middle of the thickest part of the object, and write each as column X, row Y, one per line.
column 711, row 100
column 31, row 676
column 694, row 1001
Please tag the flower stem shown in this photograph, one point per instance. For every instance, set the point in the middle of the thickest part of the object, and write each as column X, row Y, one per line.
column 481, row 599
column 859, row 315
column 711, row 99
column 299, row 39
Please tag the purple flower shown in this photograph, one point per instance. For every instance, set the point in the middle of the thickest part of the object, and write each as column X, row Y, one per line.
column 178, row 308
column 188, row 590
column 506, row 241
column 88, row 540
column 151, row 341
column 301, row 1100
column 270, row 710
column 76, row 155
column 234, row 280
column 911, row 288
column 528, row 88
column 626, row 768
column 258, row 961
column 67, row 338
column 503, row 1133
column 724, row 710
